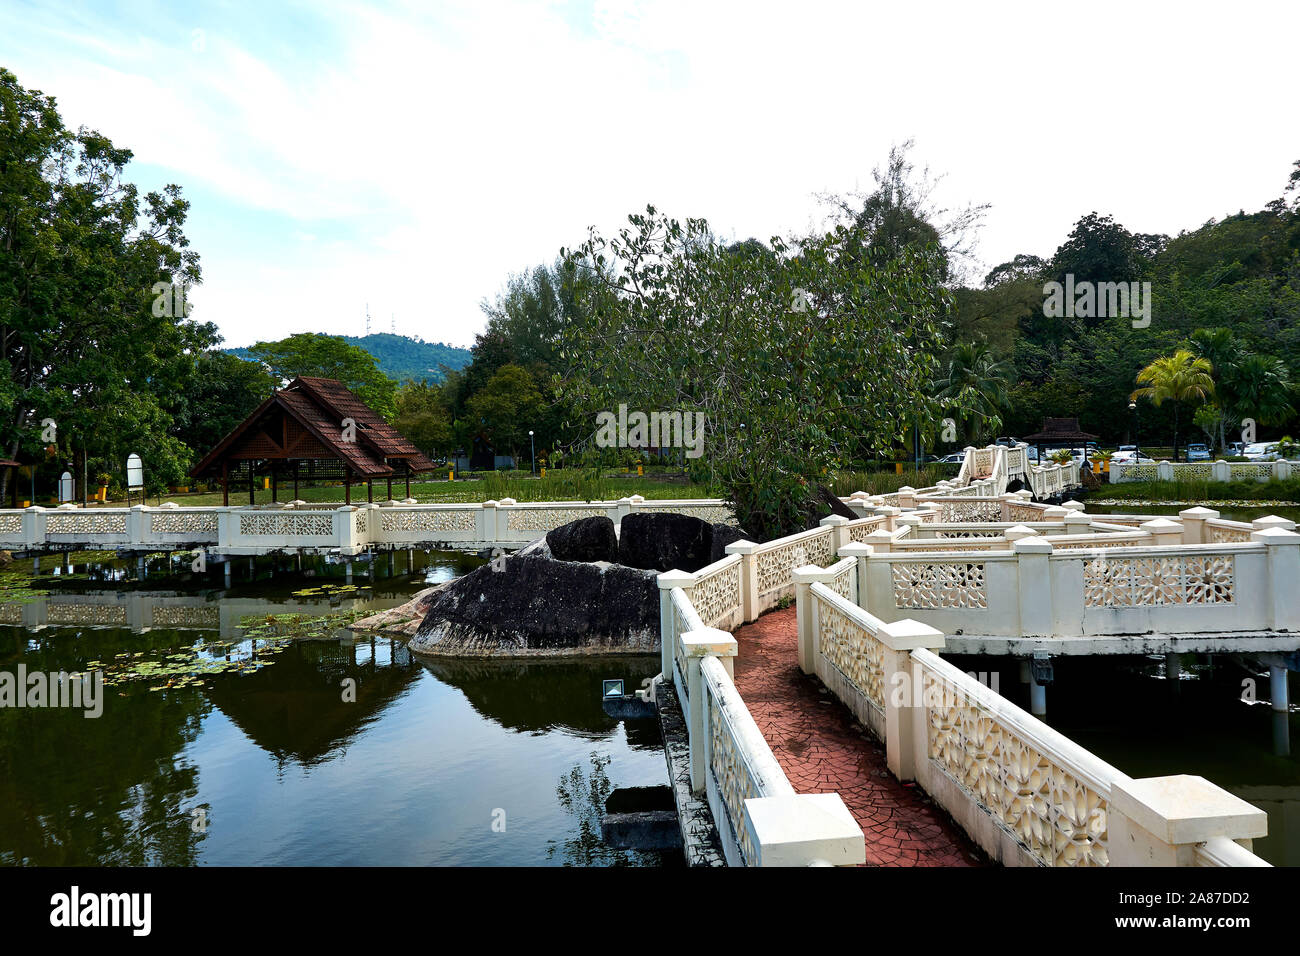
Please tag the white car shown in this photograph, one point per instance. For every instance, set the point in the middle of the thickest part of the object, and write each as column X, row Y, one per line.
column 1261, row 451
column 1130, row 456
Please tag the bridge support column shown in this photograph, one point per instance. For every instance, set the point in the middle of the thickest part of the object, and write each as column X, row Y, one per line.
column 1173, row 668
column 1278, row 688
column 226, row 575
column 347, row 572
column 140, row 569
column 1037, row 697
column 36, row 565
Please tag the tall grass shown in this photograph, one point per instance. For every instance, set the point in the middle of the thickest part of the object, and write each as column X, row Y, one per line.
column 844, row 483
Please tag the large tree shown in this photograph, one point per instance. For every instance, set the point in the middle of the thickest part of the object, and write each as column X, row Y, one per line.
column 86, row 339
column 1178, row 378
column 793, row 353
column 329, row 356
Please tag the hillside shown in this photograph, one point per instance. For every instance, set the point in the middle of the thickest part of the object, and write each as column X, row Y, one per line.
column 400, row 357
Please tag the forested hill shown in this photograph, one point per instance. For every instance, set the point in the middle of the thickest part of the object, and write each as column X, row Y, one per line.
column 400, row 357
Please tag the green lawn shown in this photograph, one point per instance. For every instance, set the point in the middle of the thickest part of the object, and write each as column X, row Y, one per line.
column 556, row 486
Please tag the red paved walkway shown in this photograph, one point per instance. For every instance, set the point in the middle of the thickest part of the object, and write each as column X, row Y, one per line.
column 822, row 747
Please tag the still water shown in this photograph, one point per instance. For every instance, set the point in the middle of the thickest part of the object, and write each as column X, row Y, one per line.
column 435, row 762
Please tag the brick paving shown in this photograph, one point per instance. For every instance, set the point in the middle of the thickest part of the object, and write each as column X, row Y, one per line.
column 822, row 747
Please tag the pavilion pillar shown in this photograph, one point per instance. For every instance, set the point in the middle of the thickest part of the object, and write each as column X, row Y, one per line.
column 295, row 480
column 390, row 488
column 275, row 487
column 347, row 487
column 225, row 485
column 251, row 499
column 370, row 489
column 408, row 481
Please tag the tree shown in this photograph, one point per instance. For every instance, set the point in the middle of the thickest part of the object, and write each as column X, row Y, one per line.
column 1099, row 249
column 793, row 354
column 507, row 407
column 1177, row 378
column 86, row 340
column 329, row 356
column 974, row 390
column 220, row 394
column 422, row 417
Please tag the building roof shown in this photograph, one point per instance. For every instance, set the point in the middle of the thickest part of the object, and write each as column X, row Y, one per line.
column 304, row 420
column 1059, row 430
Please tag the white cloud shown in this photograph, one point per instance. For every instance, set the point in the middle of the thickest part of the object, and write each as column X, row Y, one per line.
column 429, row 155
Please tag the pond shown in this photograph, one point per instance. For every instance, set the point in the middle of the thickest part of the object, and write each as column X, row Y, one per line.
column 260, row 760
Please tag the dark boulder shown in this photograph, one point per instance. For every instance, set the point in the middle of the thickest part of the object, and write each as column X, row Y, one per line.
column 533, row 605
column 723, row 535
column 587, row 539
column 662, row 541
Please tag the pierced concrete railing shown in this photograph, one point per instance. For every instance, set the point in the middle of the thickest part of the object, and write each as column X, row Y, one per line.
column 1025, row 793
column 761, row 820
column 1202, row 471
column 767, row 569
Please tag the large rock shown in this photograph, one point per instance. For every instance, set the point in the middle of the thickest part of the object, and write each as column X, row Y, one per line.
column 533, row 605
column 661, row 541
column 723, row 535
column 587, row 539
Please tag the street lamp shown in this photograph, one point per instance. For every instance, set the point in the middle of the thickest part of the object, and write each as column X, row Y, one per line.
column 532, row 452
column 1137, row 450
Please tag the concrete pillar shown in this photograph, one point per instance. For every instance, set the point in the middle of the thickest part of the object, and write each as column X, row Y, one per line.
column 1173, row 668
column 805, row 614
column 1281, row 734
column 1193, row 520
column 1283, row 572
column 36, row 565
column 667, row 581
column 840, row 526
column 696, row 645
column 1278, row 688
column 140, row 569
column 1078, row 523
column 347, row 572
column 1034, row 586
column 1037, row 697
column 1161, row 821
column 1164, row 533
column 748, row 576
column 226, row 568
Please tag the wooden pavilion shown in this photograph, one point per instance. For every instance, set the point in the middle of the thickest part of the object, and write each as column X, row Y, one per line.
column 1059, row 433
column 313, row 429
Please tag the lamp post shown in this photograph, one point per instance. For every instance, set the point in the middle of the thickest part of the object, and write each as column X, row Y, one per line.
column 532, row 452
column 1137, row 449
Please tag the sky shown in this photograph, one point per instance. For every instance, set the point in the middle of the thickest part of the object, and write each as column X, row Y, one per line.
column 409, row 158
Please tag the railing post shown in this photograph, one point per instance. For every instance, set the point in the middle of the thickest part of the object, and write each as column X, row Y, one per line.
column 1034, row 586
column 1283, row 573
column 1164, row 533
column 667, row 620
column 1165, row 470
column 696, row 645
column 345, row 530
column 1078, row 523
column 859, row 551
column 1220, row 471
column 907, row 496
column 804, row 829
column 902, row 691
column 891, row 516
column 805, row 612
column 839, row 526
column 33, row 526
column 1194, row 524
column 137, row 524
column 487, row 523
column 748, row 552
column 1160, row 821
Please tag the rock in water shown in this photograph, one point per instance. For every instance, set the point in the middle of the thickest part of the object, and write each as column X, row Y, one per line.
column 587, row 539
column 661, row 541
column 537, row 606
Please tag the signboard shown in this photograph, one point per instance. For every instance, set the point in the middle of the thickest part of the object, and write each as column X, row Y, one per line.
column 134, row 472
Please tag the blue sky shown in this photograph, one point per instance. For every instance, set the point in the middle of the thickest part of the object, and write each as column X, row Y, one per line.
column 413, row 156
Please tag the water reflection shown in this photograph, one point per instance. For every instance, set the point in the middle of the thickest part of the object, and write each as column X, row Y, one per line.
column 285, row 769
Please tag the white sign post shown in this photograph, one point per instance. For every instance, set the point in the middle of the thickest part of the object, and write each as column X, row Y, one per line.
column 67, row 490
column 134, row 477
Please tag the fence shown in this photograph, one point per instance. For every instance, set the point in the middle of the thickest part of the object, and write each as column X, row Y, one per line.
column 1201, row 471
column 1025, row 793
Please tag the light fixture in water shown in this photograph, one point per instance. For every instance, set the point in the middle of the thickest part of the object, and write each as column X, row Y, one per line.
column 612, row 688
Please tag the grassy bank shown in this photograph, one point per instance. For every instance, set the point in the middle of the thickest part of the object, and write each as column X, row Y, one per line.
column 567, row 485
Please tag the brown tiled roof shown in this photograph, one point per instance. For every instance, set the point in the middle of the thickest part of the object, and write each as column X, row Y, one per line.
column 319, row 406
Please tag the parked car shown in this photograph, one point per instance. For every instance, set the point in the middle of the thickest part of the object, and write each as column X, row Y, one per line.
column 1198, row 452
column 1128, row 455
column 1234, row 448
column 1261, row 451
column 956, row 458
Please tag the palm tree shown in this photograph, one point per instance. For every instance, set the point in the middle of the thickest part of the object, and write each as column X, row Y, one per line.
column 1259, row 387
column 974, row 387
column 1180, row 377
